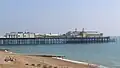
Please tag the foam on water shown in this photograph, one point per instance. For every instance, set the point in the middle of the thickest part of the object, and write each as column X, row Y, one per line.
column 94, row 65
column 116, row 64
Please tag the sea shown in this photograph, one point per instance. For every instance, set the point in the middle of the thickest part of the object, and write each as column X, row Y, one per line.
column 107, row 54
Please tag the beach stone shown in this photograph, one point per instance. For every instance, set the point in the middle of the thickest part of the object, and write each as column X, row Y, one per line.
column 55, row 67
column 26, row 64
column 38, row 65
column 49, row 66
column 32, row 64
column 45, row 66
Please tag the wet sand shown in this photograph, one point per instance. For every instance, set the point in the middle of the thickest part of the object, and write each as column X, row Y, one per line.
column 25, row 61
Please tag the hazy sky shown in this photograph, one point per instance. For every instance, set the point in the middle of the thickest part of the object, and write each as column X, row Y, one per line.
column 59, row 16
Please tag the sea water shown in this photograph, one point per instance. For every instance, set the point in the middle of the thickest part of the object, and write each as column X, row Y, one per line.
column 107, row 54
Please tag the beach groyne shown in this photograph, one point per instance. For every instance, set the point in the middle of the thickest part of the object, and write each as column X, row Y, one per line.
column 48, row 56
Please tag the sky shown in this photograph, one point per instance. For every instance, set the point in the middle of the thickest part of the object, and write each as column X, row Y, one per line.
column 60, row 16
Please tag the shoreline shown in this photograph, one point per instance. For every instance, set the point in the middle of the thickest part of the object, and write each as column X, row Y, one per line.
column 79, row 62
column 72, row 61
column 57, row 61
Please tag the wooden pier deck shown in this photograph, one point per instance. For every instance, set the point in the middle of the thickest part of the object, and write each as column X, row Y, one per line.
column 57, row 40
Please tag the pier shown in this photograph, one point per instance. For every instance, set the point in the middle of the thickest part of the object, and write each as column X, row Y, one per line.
column 57, row 40
column 70, row 37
